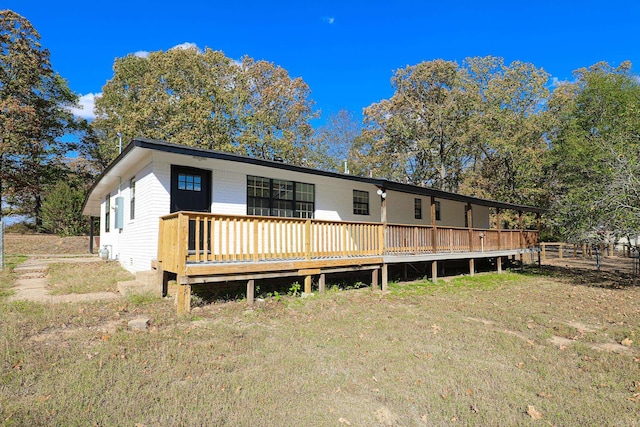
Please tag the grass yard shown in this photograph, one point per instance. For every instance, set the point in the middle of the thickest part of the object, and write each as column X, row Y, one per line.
column 99, row 276
column 555, row 346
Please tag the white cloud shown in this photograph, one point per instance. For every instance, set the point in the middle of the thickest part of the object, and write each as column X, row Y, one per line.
column 328, row 19
column 141, row 54
column 185, row 46
column 555, row 82
column 85, row 106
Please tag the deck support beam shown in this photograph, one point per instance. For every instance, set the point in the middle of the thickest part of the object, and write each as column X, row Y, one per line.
column 307, row 284
column 385, row 277
column 251, row 291
column 374, row 279
column 183, row 299
column 434, row 271
column 162, row 279
column 321, row 283
column 472, row 266
column 499, row 263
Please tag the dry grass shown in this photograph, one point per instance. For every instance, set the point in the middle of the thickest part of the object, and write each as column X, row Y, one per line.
column 26, row 244
column 470, row 351
column 99, row 276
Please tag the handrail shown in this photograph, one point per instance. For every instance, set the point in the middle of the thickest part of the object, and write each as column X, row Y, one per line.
column 197, row 237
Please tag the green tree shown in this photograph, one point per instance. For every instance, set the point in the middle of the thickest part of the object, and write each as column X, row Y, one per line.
column 596, row 147
column 182, row 95
column 332, row 143
column 204, row 99
column 507, row 136
column 420, row 134
column 34, row 102
column 274, row 112
column 62, row 210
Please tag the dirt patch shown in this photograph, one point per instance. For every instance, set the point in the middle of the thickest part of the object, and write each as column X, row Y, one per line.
column 613, row 347
column 581, row 327
column 560, row 342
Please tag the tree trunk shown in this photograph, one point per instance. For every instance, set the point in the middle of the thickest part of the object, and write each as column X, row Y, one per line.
column 37, row 212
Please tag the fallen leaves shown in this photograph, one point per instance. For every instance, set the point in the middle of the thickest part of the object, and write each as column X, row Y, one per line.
column 626, row 342
column 634, row 398
column 344, row 421
column 533, row 413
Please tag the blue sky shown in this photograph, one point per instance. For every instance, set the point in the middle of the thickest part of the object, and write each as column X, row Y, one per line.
column 345, row 50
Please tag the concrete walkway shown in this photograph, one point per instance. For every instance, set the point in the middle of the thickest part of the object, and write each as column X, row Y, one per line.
column 31, row 283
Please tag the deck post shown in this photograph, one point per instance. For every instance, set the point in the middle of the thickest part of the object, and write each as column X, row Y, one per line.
column 472, row 266
column 321, row 283
column 434, row 231
column 183, row 244
column 183, row 298
column 499, row 227
column 383, row 219
column 538, row 229
column 434, row 271
column 584, row 250
column 307, row 243
column 499, row 263
column 560, row 251
column 521, row 240
column 469, row 214
column 385, row 277
column 307, row 284
column 374, row 279
column 251, row 291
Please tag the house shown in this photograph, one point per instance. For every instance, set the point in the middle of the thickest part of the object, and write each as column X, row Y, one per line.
column 175, row 207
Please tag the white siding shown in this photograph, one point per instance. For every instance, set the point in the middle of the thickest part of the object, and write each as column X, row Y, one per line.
column 141, row 233
column 136, row 244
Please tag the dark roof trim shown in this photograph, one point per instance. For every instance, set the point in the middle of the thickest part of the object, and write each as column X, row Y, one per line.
column 167, row 147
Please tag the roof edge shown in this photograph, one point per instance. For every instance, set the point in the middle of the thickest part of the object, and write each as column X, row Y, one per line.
column 168, row 147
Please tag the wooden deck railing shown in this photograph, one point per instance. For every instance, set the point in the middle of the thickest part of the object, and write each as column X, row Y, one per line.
column 190, row 237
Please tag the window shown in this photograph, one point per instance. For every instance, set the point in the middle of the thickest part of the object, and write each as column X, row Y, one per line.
column 305, row 199
column 437, row 211
column 278, row 197
column 360, row 202
column 189, row 182
column 107, row 213
column 132, row 190
column 417, row 208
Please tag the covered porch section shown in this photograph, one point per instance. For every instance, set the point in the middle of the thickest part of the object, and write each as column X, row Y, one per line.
column 202, row 248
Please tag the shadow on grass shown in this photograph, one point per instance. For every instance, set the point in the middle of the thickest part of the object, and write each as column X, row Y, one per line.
column 579, row 276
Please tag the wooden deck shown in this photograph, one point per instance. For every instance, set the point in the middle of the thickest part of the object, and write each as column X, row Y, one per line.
column 208, row 248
